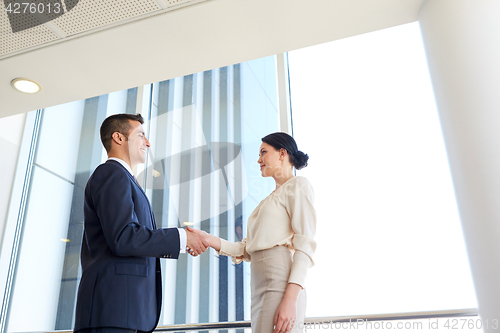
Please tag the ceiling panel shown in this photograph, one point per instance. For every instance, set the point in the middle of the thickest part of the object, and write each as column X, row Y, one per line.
column 81, row 17
column 91, row 14
column 23, row 39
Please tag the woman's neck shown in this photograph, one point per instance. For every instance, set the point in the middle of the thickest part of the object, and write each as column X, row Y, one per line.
column 283, row 179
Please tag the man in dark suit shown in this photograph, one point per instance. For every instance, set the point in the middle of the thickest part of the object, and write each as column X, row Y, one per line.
column 120, row 289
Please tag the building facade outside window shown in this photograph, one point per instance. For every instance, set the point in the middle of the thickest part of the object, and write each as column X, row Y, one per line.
column 205, row 132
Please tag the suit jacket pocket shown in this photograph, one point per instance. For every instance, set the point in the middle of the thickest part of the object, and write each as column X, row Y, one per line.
column 129, row 268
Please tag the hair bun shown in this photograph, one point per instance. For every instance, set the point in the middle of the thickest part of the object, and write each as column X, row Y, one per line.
column 300, row 160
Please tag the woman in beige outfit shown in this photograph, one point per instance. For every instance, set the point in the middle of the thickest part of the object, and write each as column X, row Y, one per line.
column 279, row 241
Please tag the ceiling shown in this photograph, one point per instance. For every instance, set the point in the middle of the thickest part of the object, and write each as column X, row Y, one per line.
column 100, row 46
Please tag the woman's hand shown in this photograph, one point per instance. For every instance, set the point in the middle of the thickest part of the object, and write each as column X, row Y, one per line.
column 286, row 314
column 285, row 317
column 207, row 239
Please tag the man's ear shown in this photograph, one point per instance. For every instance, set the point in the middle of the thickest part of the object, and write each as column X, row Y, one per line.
column 117, row 138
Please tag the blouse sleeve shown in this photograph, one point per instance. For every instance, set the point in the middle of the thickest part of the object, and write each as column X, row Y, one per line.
column 300, row 207
column 234, row 250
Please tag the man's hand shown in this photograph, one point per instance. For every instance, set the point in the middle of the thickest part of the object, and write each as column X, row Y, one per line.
column 207, row 239
column 195, row 244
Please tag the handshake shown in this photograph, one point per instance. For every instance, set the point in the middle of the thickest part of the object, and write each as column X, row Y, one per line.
column 198, row 241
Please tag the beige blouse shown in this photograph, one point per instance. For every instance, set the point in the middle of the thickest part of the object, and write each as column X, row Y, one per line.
column 285, row 217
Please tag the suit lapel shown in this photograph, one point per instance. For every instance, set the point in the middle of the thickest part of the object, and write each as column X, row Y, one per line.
column 147, row 199
column 134, row 180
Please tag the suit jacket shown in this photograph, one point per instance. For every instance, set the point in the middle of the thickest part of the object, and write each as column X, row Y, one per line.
column 121, row 278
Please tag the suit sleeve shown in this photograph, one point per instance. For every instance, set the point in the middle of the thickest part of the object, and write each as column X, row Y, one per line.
column 125, row 235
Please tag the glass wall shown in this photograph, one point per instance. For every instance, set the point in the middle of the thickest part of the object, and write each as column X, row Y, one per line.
column 205, row 132
column 11, row 130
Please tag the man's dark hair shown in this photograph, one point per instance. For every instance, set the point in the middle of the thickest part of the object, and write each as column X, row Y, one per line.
column 117, row 123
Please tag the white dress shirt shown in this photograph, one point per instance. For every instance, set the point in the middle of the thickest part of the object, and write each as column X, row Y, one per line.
column 182, row 232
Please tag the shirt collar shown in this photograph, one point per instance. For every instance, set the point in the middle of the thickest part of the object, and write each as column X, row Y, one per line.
column 122, row 162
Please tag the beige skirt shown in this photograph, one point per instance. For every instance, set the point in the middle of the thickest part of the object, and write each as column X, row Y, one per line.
column 270, row 270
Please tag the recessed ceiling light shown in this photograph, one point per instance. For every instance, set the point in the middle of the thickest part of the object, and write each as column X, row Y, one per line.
column 26, row 86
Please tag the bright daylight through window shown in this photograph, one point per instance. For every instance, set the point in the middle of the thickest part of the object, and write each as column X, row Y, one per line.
column 389, row 235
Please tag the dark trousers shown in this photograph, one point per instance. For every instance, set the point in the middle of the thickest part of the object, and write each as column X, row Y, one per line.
column 107, row 330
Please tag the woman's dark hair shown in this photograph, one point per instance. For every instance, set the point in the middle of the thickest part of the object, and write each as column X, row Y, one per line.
column 117, row 123
column 282, row 140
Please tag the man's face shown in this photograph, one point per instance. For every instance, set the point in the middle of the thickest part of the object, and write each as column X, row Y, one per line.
column 137, row 144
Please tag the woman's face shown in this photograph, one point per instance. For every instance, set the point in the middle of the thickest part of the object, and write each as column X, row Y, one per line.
column 269, row 160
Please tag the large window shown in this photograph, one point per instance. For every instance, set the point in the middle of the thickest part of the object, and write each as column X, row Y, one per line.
column 389, row 235
column 205, row 132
